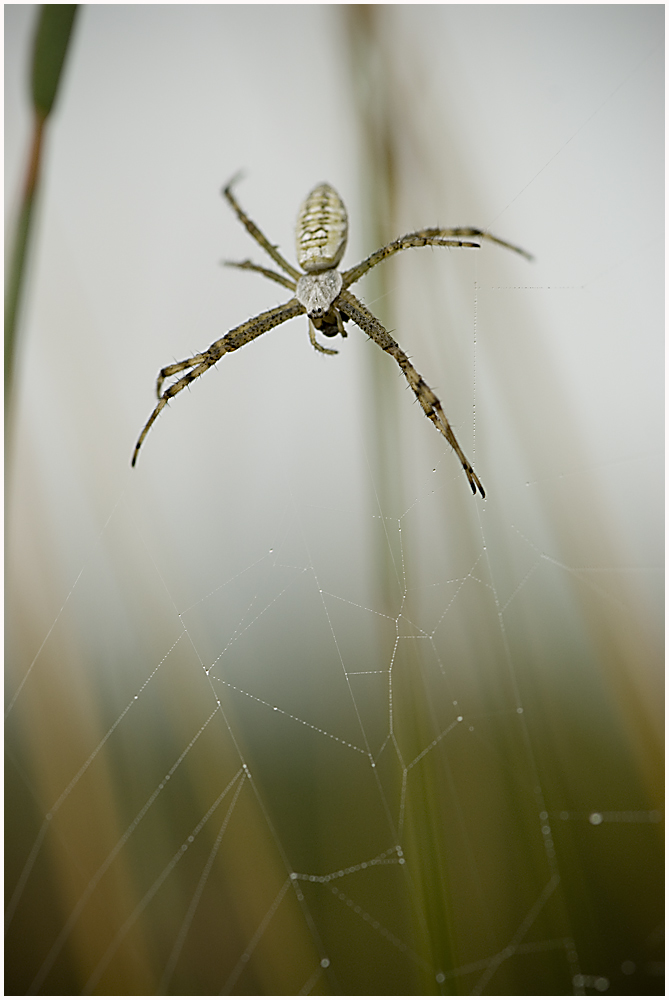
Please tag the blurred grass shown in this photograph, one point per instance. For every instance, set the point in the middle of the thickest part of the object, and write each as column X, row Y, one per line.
column 52, row 40
column 377, row 112
column 468, row 880
column 384, row 130
column 471, row 836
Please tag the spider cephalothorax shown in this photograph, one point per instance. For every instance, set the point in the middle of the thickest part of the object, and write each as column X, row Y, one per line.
column 321, row 291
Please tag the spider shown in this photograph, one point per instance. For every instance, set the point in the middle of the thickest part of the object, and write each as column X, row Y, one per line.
column 322, row 292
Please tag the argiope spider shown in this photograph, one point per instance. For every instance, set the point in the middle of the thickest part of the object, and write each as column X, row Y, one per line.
column 321, row 292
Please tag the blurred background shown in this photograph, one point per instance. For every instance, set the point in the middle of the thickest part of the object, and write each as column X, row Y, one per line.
column 289, row 711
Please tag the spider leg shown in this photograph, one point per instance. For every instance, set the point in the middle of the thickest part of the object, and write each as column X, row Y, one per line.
column 200, row 363
column 314, row 342
column 479, row 234
column 423, row 238
column 164, row 399
column 179, row 366
column 247, row 265
column 370, row 325
column 256, row 234
column 341, row 319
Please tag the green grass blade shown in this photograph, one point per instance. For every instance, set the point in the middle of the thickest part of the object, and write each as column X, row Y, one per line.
column 52, row 38
column 51, row 42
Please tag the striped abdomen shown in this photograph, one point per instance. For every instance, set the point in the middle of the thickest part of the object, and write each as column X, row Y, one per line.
column 321, row 230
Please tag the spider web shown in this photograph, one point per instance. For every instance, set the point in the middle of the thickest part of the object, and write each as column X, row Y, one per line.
column 285, row 683
column 276, row 726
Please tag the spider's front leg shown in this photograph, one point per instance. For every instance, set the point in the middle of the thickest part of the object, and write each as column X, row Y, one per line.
column 179, row 366
column 367, row 322
column 200, row 363
column 176, row 387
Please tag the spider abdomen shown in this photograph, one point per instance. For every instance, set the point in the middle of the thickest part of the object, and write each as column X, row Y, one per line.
column 322, row 230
